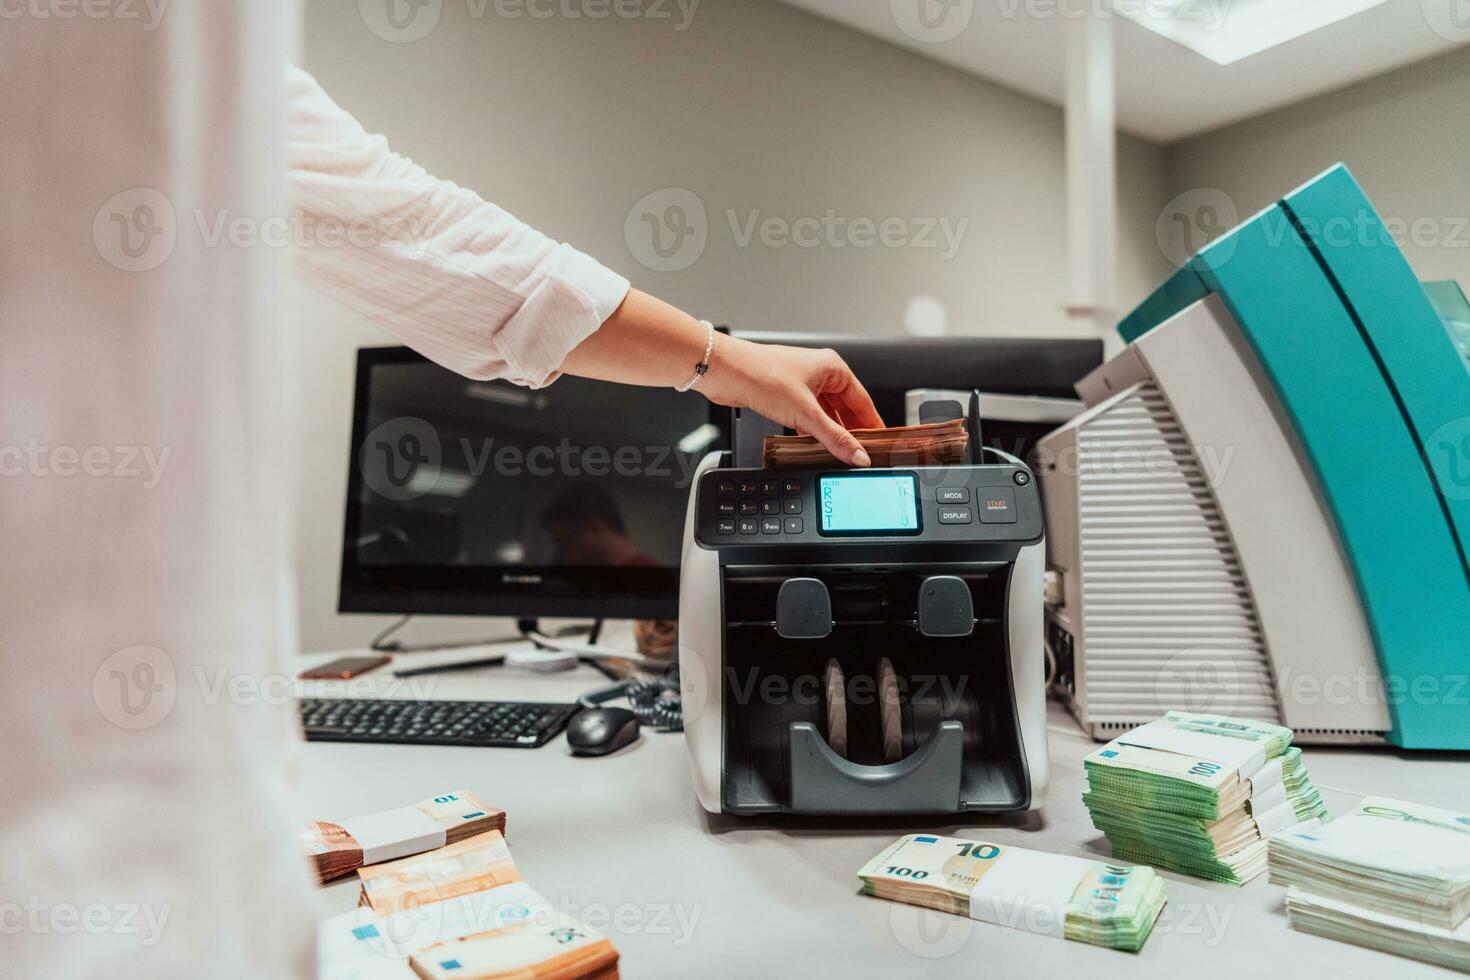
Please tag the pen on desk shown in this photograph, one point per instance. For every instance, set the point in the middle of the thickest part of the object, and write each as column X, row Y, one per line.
column 494, row 661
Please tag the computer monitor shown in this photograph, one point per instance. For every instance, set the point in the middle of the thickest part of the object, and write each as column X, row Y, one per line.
column 486, row 498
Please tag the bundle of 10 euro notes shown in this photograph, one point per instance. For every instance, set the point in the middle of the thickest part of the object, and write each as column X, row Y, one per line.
column 1052, row 894
column 337, row 849
column 1200, row 794
column 463, row 911
column 1389, row 875
column 934, row 444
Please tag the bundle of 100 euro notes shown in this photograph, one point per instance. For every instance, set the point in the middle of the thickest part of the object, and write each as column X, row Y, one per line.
column 463, row 911
column 904, row 445
column 1052, row 894
column 1200, row 794
column 1389, row 875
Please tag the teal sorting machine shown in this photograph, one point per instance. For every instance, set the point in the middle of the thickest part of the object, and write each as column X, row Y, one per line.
column 1371, row 370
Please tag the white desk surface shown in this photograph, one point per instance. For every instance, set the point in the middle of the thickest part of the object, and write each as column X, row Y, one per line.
column 621, row 842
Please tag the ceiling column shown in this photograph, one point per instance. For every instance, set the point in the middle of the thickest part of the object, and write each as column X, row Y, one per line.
column 1092, row 186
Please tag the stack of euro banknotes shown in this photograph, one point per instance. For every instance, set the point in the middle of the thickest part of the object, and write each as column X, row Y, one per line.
column 901, row 445
column 1390, row 875
column 459, row 910
column 340, row 848
column 1200, row 794
column 1053, row 894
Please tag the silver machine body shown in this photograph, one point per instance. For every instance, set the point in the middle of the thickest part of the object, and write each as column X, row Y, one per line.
column 936, row 633
column 1193, row 563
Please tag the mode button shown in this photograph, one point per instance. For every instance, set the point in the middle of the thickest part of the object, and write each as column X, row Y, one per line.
column 953, row 495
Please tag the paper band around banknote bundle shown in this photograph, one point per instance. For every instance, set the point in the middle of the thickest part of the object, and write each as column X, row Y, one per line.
column 1050, row 894
column 1013, row 886
column 1245, row 756
column 394, row 834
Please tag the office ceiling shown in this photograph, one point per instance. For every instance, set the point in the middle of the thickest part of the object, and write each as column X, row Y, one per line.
column 1166, row 92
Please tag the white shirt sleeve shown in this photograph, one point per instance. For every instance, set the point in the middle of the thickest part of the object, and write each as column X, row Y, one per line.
column 451, row 275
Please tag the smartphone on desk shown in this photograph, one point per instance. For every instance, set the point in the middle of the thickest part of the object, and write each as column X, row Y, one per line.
column 344, row 668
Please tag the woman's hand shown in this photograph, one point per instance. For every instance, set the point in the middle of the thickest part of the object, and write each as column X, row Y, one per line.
column 648, row 342
column 811, row 391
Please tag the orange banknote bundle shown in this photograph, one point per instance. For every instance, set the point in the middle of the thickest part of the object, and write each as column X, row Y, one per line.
column 937, row 443
column 475, row 864
column 461, row 912
column 339, row 848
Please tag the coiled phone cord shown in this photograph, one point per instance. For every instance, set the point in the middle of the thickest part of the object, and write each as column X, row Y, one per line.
column 654, row 700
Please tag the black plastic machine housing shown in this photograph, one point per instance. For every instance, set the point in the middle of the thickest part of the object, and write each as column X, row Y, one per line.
column 933, row 599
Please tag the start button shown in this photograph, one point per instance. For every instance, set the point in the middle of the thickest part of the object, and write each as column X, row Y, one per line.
column 996, row 505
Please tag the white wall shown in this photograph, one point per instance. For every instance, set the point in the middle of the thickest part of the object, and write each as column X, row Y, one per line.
column 758, row 109
column 1404, row 135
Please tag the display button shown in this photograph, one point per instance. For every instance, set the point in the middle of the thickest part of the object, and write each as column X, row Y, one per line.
column 997, row 505
column 725, row 488
column 952, row 495
column 791, row 486
column 749, row 525
column 793, row 525
column 792, row 505
column 725, row 508
column 770, row 525
column 749, row 507
column 770, row 506
column 748, row 487
column 725, row 527
column 769, row 488
column 956, row 515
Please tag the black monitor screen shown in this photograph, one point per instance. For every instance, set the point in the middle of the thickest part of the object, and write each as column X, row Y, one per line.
column 489, row 498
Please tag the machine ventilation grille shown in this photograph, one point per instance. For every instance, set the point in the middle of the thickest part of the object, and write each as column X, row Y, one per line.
column 1169, row 619
column 1106, row 730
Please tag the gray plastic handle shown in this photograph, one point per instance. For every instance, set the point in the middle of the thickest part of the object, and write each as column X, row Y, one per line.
column 926, row 782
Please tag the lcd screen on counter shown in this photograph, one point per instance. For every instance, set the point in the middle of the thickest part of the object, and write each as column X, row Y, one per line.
column 877, row 503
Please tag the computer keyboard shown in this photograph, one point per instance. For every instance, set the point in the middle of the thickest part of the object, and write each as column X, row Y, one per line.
column 501, row 724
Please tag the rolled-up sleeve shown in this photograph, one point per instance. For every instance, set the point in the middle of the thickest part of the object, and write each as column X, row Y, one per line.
column 451, row 275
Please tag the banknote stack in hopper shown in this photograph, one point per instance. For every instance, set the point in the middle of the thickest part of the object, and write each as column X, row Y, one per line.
column 337, row 849
column 1389, row 875
column 1200, row 794
column 901, row 445
column 1053, row 894
column 463, row 911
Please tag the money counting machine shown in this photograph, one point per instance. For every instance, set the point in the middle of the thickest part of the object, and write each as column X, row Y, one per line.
column 864, row 641
column 1265, row 509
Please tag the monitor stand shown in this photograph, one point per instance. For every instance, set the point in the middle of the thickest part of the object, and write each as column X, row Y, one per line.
column 527, row 628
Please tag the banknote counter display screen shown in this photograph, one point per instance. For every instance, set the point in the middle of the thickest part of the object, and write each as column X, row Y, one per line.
column 869, row 503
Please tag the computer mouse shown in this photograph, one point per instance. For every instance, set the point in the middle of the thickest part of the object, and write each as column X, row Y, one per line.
column 598, row 731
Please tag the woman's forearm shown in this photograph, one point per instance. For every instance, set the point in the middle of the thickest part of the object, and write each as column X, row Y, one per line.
column 648, row 342
column 645, row 342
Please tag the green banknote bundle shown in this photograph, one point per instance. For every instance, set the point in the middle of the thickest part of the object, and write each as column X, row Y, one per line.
column 1387, row 856
column 1052, row 894
column 1389, row 875
column 1200, row 794
column 1348, row 922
